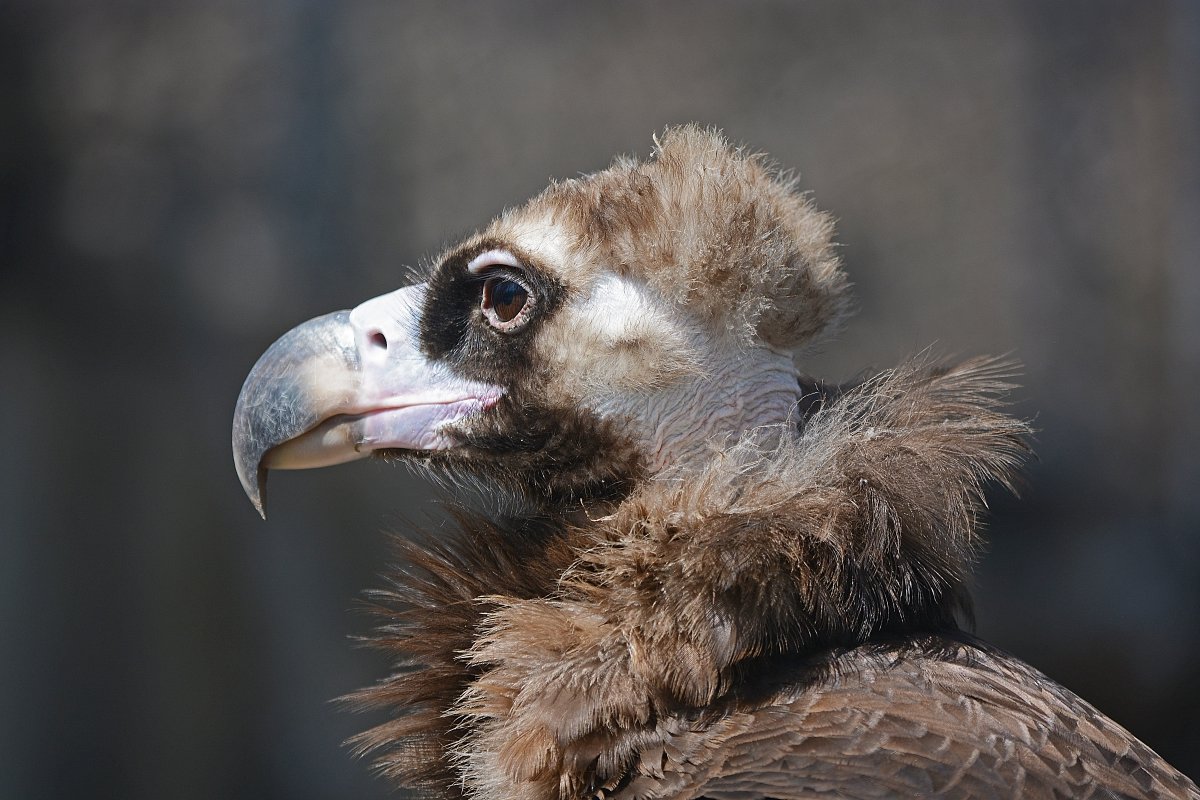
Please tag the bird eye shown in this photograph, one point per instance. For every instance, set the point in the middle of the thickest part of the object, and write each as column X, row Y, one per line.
column 503, row 301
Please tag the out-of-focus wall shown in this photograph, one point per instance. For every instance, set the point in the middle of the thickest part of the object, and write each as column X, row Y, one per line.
column 185, row 180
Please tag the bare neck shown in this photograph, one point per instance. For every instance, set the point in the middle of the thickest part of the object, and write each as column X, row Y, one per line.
column 755, row 390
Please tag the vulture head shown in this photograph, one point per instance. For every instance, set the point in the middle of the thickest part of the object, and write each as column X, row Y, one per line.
column 607, row 330
column 708, row 576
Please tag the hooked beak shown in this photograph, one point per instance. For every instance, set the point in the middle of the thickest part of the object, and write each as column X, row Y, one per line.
column 342, row 386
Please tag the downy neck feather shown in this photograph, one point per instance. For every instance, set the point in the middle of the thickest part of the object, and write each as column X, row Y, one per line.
column 534, row 655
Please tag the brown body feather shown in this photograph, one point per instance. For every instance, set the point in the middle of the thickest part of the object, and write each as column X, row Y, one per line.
column 779, row 624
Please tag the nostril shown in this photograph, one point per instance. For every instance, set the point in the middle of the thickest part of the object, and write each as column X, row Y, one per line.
column 378, row 339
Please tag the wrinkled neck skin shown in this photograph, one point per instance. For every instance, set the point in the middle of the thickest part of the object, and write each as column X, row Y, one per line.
column 748, row 391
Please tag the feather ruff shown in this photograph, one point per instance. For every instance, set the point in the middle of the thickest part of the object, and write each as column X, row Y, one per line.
column 537, row 658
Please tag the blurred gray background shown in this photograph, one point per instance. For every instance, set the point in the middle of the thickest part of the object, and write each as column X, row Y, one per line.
column 185, row 180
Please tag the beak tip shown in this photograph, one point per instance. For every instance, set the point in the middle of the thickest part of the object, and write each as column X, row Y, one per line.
column 258, row 497
column 255, row 487
column 275, row 404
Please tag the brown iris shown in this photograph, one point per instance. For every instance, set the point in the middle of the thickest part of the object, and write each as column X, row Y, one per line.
column 503, row 301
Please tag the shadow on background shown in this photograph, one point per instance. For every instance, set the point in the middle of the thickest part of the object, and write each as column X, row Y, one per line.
column 186, row 180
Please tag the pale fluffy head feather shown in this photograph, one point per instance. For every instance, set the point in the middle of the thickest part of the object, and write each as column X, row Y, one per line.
column 709, row 227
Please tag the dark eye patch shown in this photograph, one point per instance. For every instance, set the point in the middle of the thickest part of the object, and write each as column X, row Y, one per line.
column 465, row 314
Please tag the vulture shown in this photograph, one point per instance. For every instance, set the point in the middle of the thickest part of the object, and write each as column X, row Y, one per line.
column 688, row 570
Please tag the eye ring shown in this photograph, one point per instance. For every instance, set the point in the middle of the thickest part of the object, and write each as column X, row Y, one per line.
column 506, row 303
